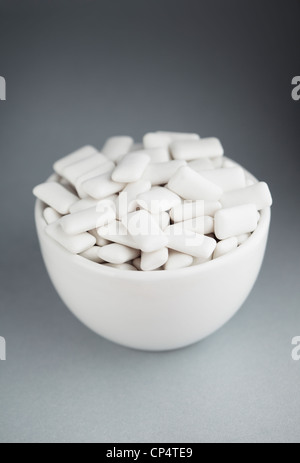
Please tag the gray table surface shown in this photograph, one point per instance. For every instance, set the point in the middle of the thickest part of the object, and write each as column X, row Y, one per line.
column 78, row 72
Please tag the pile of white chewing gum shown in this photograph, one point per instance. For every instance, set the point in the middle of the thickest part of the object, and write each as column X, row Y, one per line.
column 172, row 202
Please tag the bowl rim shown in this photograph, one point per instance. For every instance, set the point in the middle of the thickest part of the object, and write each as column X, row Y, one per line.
column 257, row 235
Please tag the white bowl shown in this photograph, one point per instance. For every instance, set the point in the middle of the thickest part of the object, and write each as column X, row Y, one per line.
column 160, row 310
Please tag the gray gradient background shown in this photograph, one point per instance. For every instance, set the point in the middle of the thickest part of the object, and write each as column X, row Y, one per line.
column 78, row 72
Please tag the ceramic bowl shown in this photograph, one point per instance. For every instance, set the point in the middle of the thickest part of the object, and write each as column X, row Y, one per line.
column 160, row 310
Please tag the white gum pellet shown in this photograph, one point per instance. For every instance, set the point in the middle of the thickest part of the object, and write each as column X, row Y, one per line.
column 201, row 164
column 179, row 135
column 117, row 233
column 158, row 155
column 78, row 155
column 196, row 149
column 158, row 199
column 75, row 244
column 145, row 231
column 189, row 184
column 228, row 179
column 235, row 221
column 160, row 173
column 56, row 196
column 131, row 167
column 203, row 225
column 117, row 253
column 163, row 139
column 177, row 260
column 92, row 254
column 258, row 194
column 154, row 260
column 73, row 171
column 88, row 219
column 157, row 140
column 115, row 147
column 121, row 267
column 189, row 242
column 50, row 215
column 225, row 246
column 102, row 186
column 99, row 240
column 243, row 238
column 103, row 168
column 191, row 209
column 126, row 201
